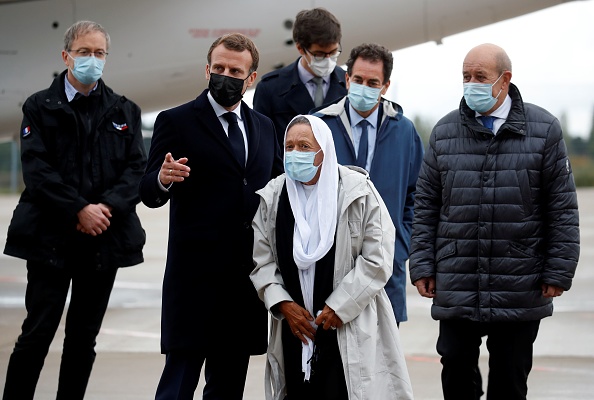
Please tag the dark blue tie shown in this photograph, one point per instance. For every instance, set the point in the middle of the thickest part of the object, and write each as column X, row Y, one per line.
column 488, row 121
column 362, row 153
column 236, row 137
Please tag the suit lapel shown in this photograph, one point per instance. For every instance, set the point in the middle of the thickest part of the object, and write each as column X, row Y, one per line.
column 252, row 127
column 206, row 117
column 297, row 96
column 337, row 86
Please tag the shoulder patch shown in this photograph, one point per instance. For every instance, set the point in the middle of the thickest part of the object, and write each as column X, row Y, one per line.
column 120, row 127
column 26, row 131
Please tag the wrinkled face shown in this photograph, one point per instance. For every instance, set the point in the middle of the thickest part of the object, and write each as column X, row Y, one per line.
column 480, row 66
column 300, row 137
column 231, row 63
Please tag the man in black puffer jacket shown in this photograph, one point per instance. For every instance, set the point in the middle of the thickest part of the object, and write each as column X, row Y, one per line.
column 496, row 229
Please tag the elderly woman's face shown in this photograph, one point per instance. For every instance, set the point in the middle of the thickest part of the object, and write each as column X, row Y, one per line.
column 300, row 137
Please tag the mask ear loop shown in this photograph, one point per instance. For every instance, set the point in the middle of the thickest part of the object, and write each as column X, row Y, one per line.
column 494, row 83
column 317, row 166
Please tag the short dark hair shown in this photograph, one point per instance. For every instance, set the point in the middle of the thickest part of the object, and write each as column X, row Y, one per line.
column 82, row 28
column 318, row 26
column 375, row 53
column 237, row 42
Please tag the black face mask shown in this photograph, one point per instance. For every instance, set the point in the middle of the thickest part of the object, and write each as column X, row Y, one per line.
column 226, row 90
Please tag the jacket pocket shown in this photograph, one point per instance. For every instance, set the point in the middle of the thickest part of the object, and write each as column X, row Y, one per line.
column 446, row 251
column 23, row 226
column 128, row 234
column 119, row 136
column 447, row 181
column 524, row 186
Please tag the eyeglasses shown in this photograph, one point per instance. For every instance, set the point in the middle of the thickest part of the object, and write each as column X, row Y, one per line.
column 86, row 52
column 320, row 55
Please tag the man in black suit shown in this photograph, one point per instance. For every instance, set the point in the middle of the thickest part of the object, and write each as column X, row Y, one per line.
column 207, row 292
column 312, row 80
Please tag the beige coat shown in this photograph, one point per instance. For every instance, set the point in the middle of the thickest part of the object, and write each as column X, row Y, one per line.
column 369, row 340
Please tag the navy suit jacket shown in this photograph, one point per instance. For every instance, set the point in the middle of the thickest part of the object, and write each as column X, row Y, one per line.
column 206, row 286
column 280, row 95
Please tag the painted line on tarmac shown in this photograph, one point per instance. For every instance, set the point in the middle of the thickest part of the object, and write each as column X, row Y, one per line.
column 117, row 332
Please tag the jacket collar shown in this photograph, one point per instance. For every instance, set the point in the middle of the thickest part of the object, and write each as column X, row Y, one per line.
column 389, row 108
column 207, row 115
column 292, row 74
column 55, row 96
column 516, row 119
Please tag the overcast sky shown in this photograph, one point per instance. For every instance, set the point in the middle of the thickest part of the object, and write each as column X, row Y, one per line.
column 552, row 54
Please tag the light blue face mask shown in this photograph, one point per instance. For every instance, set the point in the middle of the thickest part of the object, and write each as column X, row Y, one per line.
column 363, row 98
column 479, row 96
column 299, row 165
column 87, row 70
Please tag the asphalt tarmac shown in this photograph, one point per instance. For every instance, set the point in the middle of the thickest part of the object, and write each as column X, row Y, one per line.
column 129, row 364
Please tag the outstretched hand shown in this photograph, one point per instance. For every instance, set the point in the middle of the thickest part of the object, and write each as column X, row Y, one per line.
column 173, row 170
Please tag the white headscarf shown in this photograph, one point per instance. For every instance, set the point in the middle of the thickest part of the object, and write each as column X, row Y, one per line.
column 315, row 220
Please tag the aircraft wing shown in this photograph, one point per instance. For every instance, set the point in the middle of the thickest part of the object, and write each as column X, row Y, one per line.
column 158, row 52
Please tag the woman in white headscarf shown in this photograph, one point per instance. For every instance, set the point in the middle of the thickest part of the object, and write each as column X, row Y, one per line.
column 323, row 247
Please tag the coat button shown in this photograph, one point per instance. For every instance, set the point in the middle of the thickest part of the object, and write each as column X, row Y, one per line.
column 244, row 182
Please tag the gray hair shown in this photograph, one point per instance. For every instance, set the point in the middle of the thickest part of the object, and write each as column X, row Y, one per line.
column 298, row 120
column 82, row 28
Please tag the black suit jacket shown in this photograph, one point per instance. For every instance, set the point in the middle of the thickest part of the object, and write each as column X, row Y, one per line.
column 206, row 289
column 280, row 95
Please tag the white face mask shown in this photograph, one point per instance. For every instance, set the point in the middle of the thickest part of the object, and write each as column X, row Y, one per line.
column 322, row 68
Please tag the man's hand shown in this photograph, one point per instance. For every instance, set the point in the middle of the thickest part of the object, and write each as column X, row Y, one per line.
column 426, row 286
column 93, row 219
column 551, row 291
column 173, row 170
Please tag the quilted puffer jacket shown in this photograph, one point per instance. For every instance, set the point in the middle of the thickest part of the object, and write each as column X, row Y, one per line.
column 496, row 216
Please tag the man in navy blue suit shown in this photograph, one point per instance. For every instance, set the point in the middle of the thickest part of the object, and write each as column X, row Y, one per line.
column 208, row 157
column 314, row 79
column 373, row 133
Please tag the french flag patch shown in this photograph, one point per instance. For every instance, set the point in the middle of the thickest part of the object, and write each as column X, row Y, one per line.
column 26, row 131
column 120, row 127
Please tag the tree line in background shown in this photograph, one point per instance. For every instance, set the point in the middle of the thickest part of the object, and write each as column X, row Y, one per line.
column 581, row 154
column 581, row 150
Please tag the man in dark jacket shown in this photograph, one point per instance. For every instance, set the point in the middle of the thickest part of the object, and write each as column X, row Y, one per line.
column 312, row 80
column 389, row 148
column 208, row 296
column 82, row 157
column 496, row 229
